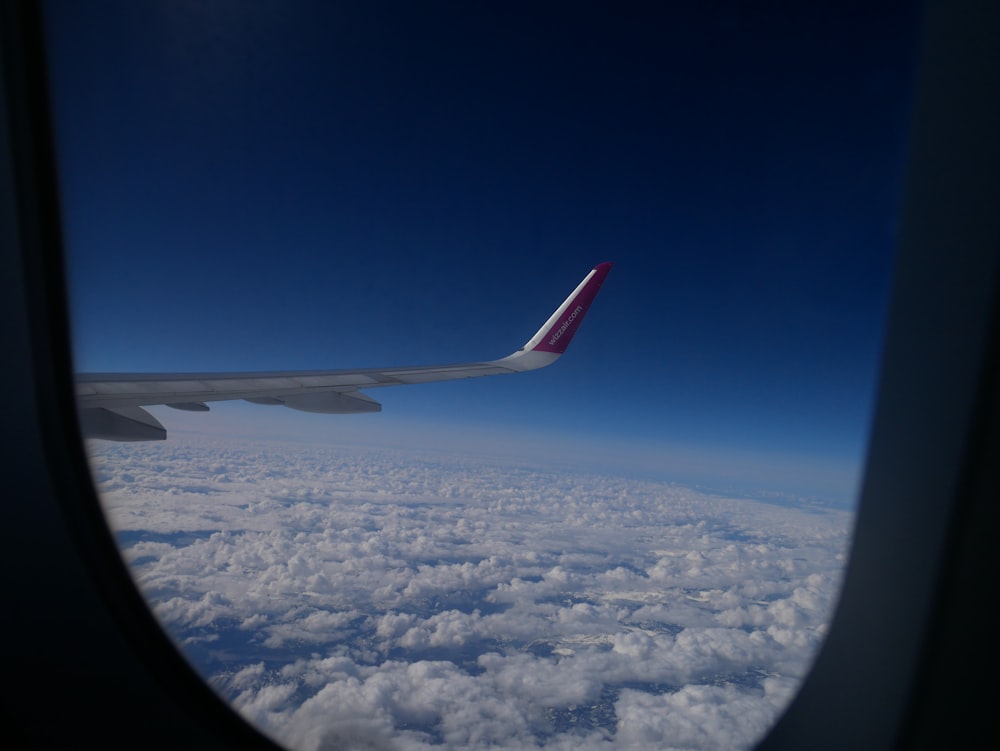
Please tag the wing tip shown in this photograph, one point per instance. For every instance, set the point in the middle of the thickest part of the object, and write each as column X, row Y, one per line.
column 557, row 333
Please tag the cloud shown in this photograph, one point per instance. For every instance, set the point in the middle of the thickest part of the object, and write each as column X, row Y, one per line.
column 377, row 599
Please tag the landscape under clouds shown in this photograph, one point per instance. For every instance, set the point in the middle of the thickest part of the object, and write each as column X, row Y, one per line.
column 364, row 598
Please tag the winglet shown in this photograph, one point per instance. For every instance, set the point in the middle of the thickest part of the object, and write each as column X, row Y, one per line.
column 552, row 339
column 557, row 332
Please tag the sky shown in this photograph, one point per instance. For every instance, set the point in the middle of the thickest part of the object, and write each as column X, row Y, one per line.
column 273, row 186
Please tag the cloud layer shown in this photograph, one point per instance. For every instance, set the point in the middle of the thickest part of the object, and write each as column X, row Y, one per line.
column 347, row 598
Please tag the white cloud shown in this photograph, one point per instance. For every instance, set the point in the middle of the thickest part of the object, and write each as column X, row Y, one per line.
column 372, row 597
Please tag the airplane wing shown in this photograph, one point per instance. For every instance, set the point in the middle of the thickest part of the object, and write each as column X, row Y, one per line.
column 111, row 404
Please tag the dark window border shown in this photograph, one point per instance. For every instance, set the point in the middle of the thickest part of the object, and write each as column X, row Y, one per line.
column 910, row 646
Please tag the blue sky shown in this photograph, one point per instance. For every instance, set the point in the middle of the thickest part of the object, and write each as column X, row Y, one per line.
column 278, row 186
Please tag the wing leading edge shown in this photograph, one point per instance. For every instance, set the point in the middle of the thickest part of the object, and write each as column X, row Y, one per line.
column 111, row 404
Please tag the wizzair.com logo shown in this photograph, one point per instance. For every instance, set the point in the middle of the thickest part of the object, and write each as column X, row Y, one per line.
column 566, row 323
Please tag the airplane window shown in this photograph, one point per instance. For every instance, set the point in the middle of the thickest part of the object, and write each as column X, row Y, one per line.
column 639, row 545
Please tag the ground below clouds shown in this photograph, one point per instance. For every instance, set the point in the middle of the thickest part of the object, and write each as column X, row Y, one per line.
column 344, row 598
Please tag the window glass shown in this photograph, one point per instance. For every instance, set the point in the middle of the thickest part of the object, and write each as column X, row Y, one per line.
column 638, row 546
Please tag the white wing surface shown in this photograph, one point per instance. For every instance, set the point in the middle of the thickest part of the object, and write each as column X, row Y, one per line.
column 110, row 404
